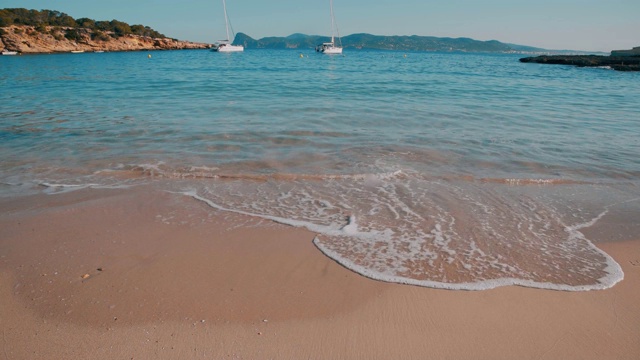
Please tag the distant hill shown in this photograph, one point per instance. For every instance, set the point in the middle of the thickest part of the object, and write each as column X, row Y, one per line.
column 380, row 42
column 368, row 41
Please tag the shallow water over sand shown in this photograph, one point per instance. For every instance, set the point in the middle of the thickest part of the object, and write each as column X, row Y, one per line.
column 462, row 171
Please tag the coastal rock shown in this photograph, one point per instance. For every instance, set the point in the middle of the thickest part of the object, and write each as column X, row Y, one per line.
column 621, row 63
column 29, row 40
column 633, row 52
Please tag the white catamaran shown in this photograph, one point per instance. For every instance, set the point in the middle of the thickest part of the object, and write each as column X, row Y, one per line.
column 331, row 47
column 225, row 45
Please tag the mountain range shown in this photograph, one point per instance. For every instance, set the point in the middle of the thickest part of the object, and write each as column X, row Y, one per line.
column 401, row 43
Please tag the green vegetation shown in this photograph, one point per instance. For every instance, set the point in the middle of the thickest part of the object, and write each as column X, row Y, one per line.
column 99, row 35
column 368, row 41
column 73, row 35
column 43, row 18
column 398, row 43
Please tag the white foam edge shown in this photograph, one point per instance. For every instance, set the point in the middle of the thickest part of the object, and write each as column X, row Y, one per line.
column 349, row 229
column 614, row 276
column 613, row 269
column 10, row 184
column 73, row 187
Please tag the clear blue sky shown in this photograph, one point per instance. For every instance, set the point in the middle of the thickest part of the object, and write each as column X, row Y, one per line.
column 594, row 25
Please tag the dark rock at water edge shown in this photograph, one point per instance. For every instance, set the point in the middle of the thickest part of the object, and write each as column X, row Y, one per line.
column 633, row 52
column 620, row 63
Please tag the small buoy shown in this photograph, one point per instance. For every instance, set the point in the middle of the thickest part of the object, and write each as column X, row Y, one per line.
column 301, row 55
column 149, row 56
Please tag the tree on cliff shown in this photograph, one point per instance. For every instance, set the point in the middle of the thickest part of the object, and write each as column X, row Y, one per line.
column 119, row 28
column 86, row 23
column 34, row 18
column 41, row 19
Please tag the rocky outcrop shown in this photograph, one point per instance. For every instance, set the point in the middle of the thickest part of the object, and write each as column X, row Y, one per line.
column 29, row 40
column 621, row 63
column 633, row 52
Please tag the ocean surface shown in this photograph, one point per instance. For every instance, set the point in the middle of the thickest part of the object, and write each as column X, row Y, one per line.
column 446, row 170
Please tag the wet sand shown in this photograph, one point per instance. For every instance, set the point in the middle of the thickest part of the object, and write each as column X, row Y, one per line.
column 143, row 274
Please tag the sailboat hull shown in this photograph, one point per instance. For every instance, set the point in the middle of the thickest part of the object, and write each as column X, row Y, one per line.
column 329, row 48
column 332, row 50
column 228, row 48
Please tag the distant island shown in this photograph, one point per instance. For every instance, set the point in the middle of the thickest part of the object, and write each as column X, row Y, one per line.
column 400, row 43
column 47, row 31
column 621, row 60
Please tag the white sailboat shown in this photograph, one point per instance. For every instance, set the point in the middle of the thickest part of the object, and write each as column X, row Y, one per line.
column 225, row 45
column 331, row 47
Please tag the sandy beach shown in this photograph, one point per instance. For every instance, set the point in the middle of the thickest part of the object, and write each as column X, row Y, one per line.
column 145, row 274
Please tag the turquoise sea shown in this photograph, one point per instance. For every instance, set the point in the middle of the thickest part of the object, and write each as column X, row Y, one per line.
column 448, row 170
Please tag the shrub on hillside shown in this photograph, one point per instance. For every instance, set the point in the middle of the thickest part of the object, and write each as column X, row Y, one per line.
column 100, row 36
column 73, row 35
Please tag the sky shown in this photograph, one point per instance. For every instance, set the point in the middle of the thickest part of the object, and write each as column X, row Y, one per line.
column 590, row 25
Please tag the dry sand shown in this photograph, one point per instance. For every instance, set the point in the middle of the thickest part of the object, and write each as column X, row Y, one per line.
column 166, row 277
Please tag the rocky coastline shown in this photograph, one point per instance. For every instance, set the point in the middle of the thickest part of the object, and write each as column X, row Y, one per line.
column 620, row 63
column 29, row 40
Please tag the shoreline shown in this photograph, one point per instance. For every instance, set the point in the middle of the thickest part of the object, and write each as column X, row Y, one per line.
column 170, row 277
column 25, row 39
column 103, row 51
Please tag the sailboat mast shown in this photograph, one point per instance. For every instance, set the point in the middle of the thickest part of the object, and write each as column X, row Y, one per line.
column 332, row 21
column 226, row 19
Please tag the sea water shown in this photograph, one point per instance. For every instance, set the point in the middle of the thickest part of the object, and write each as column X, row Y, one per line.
column 446, row 170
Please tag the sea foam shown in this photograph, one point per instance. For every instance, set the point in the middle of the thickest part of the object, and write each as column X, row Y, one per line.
column 429, row 233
